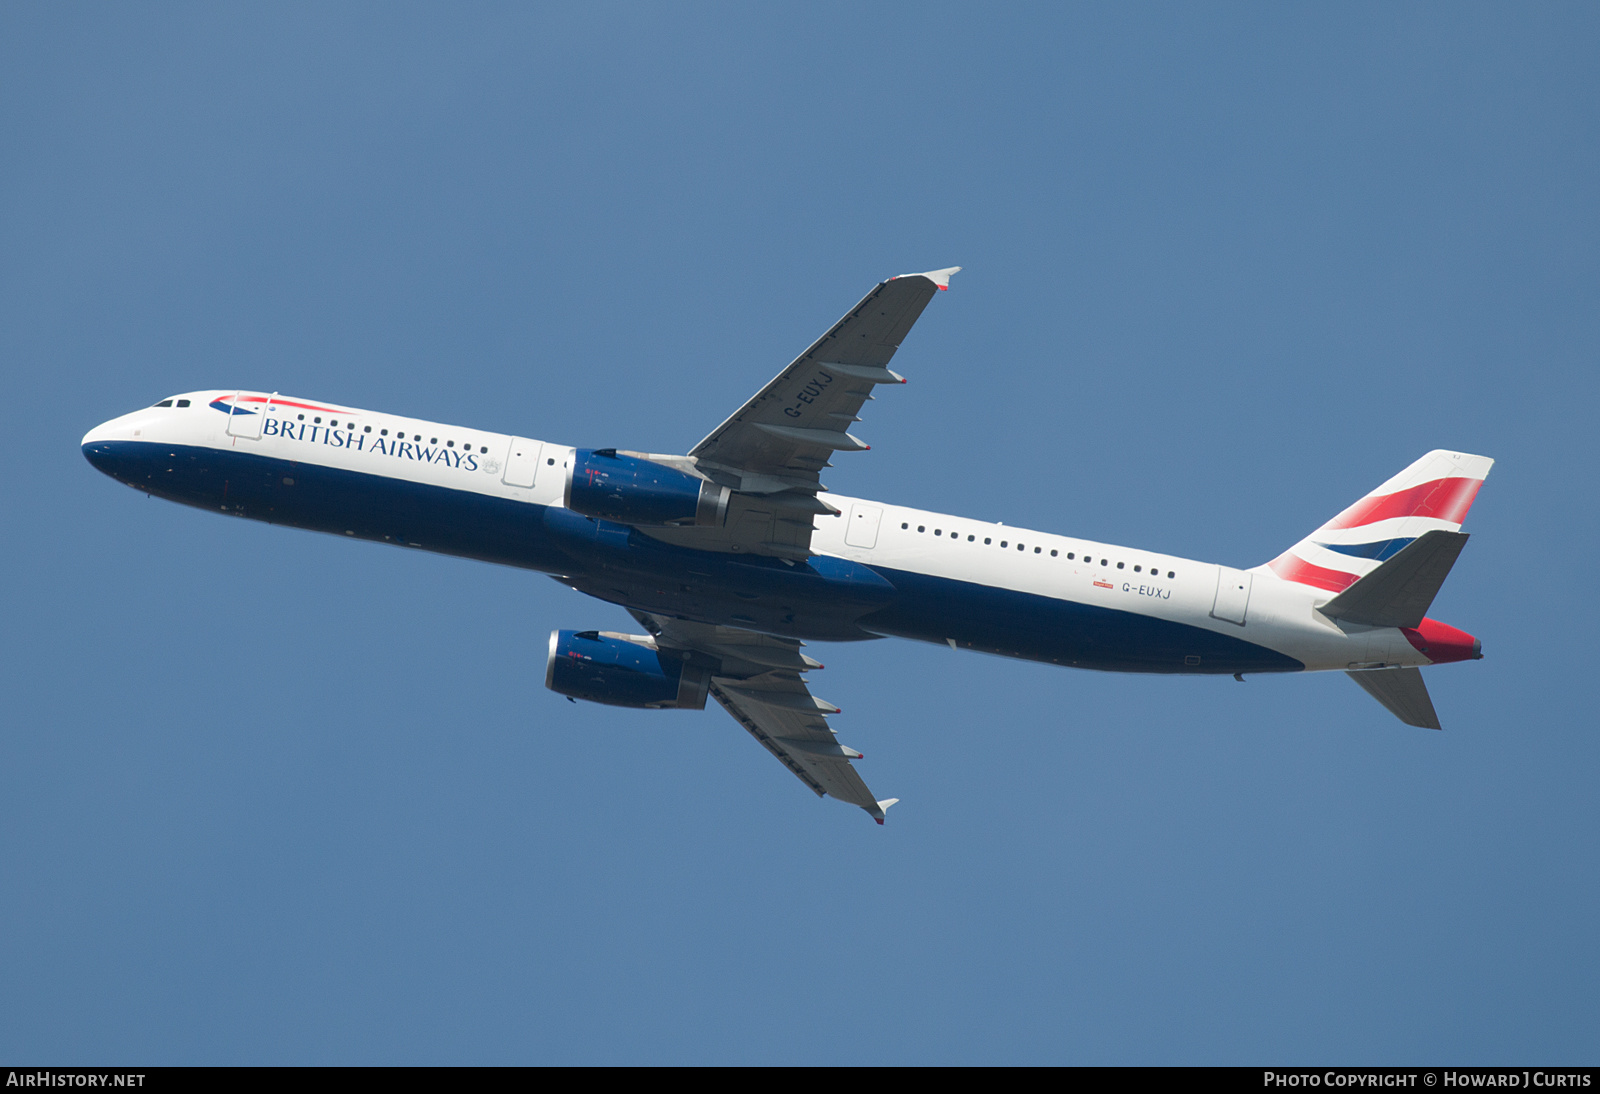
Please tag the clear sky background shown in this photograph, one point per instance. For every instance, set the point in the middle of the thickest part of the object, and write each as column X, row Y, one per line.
column 278, row 797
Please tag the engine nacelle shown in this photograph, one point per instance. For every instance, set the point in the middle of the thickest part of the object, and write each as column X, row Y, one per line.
column 629, row 490
column 623, row 670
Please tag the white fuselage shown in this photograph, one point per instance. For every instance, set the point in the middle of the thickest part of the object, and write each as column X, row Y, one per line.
column 1254, row 606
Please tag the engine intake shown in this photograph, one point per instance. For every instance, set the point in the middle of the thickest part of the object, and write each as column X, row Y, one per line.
column 606, row 484
column 623, row 670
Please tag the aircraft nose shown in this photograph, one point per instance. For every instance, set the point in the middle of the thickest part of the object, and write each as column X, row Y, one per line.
column 97, row 453
column 101, row 432
column 109, row 445
column 100, row 451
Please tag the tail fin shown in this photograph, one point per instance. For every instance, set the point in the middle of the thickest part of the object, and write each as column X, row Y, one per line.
column 1432, row 494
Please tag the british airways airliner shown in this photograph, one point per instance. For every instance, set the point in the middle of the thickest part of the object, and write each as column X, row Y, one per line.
column 735, row 555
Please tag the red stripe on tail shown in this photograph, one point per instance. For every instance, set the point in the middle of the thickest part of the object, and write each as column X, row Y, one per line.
column 1292, row 567
column 1446, row 499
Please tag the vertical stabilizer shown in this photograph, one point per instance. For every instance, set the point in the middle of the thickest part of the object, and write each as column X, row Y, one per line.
column 1432, row 494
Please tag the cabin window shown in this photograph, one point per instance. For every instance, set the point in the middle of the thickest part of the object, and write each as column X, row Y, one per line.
column 366, row 429
column 433, row 440
column 1136, row 569
column 316, row 421
column 300, row 417
column 1054, row 552
column 1103, row 562
column 1036, row 550
column 1119, row 565
column 449, row 444
column 1171, row 574
column 1003, row 543
column 938, row 531
column 904, row 526
column 987, row 541
column 971, row 538
column 922, row 527
column 1070, row 555
column 551, row 462
column 183, row 402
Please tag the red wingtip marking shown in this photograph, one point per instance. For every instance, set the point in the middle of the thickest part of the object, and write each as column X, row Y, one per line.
column 868, row 448
column 878, row 819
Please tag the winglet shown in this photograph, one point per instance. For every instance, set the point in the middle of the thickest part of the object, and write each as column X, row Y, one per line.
column 880, row 808
column 940, row 278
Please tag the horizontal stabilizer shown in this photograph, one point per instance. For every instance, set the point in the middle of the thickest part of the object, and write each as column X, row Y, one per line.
column 1403, row 692
column 1399, row 592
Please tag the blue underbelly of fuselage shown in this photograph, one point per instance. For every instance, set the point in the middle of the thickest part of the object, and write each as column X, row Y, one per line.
column 824, row 599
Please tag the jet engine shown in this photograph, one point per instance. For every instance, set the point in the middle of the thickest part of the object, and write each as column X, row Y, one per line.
column 604, row 483
column 623, row 670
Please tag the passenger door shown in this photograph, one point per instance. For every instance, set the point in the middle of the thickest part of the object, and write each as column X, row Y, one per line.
column 863, row 528
column 1233, row 595
column 522, row 462
column 245, row 421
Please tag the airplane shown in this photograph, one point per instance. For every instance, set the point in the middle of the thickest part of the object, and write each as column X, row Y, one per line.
column 735, row 555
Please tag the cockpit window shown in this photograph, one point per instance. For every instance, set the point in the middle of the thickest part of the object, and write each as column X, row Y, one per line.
column 165, row 402
column 183, row 402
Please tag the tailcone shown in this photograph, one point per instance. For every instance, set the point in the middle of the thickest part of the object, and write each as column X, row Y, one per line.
column 1440, row 642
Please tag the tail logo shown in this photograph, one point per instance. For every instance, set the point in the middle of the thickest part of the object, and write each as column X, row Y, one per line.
column 1435, row 492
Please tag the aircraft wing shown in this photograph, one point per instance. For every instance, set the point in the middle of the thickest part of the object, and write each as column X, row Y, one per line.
column 759, row 682
column 771, row 452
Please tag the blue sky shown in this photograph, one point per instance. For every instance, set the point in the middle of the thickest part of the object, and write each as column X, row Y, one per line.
column 275, row 797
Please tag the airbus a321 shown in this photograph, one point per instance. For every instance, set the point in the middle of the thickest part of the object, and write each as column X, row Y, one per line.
column 733, row 556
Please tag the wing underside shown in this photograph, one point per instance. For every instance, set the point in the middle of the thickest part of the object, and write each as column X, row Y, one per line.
column 758, row 680
column 772, row 450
